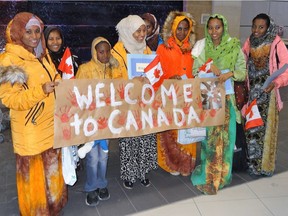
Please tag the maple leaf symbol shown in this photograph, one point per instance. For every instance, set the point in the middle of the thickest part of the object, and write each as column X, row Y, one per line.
column 69, row 69
column 157, row 73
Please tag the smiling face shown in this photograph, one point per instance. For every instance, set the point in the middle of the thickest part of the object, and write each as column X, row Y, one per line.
column 182, row 30
column 140, row 34
column 215, row 30
column 31, row 38
column 54, row 41
column 259, row 27
column 103, row 52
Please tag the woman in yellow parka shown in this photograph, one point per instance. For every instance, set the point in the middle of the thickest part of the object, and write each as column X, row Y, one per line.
column 27, row 83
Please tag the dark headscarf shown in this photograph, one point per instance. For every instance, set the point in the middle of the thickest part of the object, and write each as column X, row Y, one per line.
column 55, row 56
column 152, row 40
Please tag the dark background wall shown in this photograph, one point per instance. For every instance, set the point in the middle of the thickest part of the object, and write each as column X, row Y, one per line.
column 82, row 21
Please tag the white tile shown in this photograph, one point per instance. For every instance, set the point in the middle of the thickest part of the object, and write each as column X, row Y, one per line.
column 252, row 207
column 185, row 207
column 269, row 187
column 230, row 193
column 281, row 175
column 277, row 205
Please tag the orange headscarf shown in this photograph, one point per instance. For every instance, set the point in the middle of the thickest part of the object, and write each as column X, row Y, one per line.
column 176, row 22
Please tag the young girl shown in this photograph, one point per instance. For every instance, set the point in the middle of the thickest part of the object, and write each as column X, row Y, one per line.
column 99, row 67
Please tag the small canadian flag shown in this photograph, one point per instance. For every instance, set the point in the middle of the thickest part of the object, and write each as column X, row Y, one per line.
column 66, row 65
column 206, row 67
column 253, row 117
column 154, row 73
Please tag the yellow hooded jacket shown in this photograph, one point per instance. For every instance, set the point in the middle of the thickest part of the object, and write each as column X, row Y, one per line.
column 94, row 69
column 31, row 110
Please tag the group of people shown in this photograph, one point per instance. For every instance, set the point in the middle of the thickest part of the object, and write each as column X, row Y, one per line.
column 30, row 74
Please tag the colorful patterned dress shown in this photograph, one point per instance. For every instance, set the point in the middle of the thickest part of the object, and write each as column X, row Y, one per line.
column 215, row 170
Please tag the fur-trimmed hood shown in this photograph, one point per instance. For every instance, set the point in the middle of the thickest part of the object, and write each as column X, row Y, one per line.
column 12, row 74
column 167, row 31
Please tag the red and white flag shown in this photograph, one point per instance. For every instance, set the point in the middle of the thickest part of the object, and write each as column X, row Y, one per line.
column 66, row 65
column 206, row 67
column 154, row 73
column 253, row 117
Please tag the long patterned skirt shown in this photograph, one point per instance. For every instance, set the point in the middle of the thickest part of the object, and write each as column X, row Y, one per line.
column 138, row 156
column 262, row 141
column 40, row 184
column 174, row 157
column 215, row 170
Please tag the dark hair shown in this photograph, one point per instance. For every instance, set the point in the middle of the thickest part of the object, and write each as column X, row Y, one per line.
column 264, row 17
column 216, row 17
column 101, row 42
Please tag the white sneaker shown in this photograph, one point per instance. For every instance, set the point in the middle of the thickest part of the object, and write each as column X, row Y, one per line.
column 175, row 173
column 85, row 149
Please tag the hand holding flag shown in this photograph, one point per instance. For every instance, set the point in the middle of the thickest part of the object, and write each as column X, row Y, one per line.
column 206, row 67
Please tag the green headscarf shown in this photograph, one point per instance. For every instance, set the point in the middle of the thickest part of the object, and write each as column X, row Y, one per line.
column 226, row 53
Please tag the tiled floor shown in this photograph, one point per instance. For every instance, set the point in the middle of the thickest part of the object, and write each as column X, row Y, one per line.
column 168, row 195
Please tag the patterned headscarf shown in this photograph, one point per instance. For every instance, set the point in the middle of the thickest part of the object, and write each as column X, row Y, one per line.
column 126, row 28
column 16, row 28
column 226, row 53
column 268, row 37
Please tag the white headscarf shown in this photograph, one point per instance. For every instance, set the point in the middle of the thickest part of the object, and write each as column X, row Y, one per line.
column 125, row 28
column 35, row 22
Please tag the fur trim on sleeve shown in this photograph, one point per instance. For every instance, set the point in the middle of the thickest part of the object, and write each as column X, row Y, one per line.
column 12, row 74
column 113, row 62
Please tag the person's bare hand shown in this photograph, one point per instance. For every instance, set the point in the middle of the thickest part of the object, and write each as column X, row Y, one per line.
column 176, row 77
column 270, row 87
column 142, row 79
column 224, row 77
column 215, row 70
column 49, row 87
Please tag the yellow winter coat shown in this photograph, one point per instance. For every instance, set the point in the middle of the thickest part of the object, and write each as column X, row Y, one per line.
column 119, row 52
column 94, row 69
column 31, row 110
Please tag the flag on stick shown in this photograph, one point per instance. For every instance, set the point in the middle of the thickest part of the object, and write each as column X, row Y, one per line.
column 66, row 65
column 154, row 73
